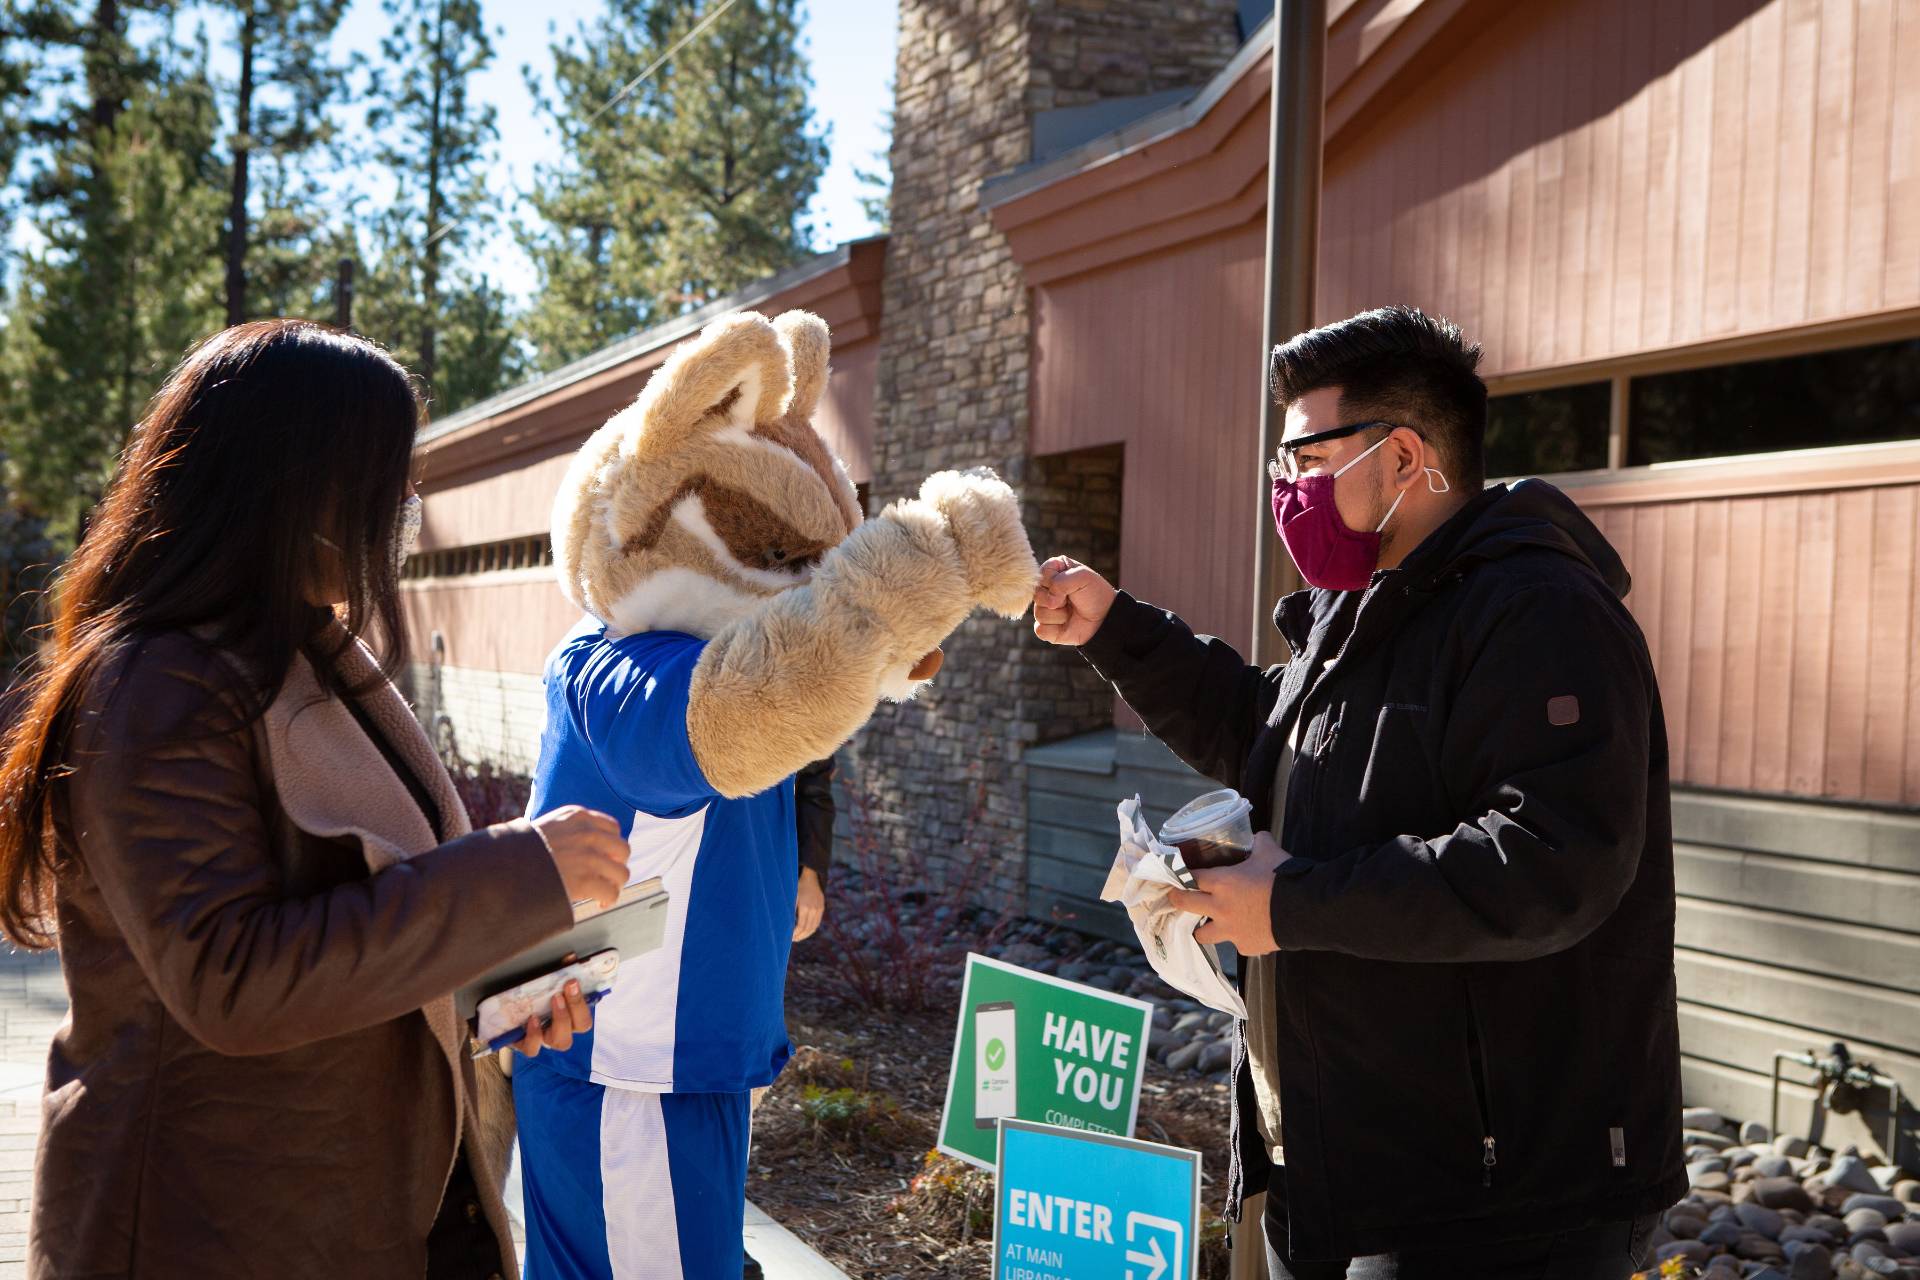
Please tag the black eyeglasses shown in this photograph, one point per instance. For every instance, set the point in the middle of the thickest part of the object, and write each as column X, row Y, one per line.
column 1286, row 463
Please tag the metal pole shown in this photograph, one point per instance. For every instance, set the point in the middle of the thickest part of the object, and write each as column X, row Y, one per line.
column 1293, row 239
column 343, row 295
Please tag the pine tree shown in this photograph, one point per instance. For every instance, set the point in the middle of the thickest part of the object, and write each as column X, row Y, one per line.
column 126, row 202
column 877, row 200
column 691, row 185
column 435, row 139
column 279, row 111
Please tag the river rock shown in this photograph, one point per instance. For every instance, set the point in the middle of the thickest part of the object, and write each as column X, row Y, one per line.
column 1703, row 1118
column 1685, row 1224
column 1865, row 1219
column 1773, row 1167
column 1757, row 1248
column 1722, row 1234
column 1188, row 1021
column 1907, row 1189
column 1886, row 1206
column 1805, row 1235
column 1754, row 1134
column 1809, row 1261
column 1712, row 1181
column 1710, row 1164
column 1183, row 1057
column 1788, row 1144
column 1905, row 1238
column 1886, row 1175
column 1214, row 1056
column 1757, row 1217
column 1852, row 1173
column 1705, row 1138
column 1781, row 1193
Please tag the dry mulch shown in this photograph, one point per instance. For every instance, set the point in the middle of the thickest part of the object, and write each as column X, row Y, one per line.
column 843, row 1144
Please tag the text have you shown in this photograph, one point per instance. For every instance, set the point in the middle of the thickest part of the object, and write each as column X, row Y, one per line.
column 1095, row 1046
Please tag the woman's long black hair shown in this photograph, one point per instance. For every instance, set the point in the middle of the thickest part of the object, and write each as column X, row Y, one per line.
column 273, row 462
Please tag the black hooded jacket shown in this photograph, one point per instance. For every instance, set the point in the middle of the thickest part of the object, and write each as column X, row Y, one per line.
column 1477, row 1034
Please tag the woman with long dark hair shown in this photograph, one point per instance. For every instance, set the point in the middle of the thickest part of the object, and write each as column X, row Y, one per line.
column 259, row 876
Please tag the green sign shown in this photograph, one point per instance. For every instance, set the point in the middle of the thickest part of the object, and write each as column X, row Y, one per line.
column 1034, row 1047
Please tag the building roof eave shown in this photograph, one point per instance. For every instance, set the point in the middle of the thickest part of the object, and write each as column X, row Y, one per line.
column 1133, row 137
column 638, row 345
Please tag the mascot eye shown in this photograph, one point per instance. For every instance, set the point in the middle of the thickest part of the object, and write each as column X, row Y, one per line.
column 790, row 558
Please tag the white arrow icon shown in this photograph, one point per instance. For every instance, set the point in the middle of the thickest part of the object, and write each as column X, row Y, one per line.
column 1157, row 1259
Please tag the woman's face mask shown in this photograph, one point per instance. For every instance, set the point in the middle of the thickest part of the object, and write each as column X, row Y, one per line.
column 1328, row 553
column 406, row 533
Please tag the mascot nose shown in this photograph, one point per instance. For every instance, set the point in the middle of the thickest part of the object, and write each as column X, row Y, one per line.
column 928, row 667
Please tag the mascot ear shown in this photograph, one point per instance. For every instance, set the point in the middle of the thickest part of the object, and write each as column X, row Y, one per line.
column 733, row 375
column 807, row 342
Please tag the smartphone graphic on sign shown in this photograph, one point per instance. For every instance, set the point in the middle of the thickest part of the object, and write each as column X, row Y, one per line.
column 993, row 1091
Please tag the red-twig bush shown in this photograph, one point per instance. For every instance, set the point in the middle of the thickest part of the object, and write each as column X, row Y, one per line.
column 892, row 941
column 490, row 793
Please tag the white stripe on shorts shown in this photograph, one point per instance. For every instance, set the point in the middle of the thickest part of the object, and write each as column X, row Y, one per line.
column 643, row 1235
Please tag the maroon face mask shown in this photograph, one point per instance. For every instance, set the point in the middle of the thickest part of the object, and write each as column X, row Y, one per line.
column 1327, row 553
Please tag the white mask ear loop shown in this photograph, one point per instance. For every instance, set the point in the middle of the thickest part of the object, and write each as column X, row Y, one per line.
column 1430, row 473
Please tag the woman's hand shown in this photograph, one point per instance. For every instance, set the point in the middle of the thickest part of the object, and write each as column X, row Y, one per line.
column 812, row 904
column 571, row 1013
column 588, row 851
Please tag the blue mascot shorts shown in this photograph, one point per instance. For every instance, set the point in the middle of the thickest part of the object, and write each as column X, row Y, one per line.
column 638, row 1186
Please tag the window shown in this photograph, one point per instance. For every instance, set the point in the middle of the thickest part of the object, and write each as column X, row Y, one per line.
column 1859, row 395
column 490, row 557
column 1541, row 432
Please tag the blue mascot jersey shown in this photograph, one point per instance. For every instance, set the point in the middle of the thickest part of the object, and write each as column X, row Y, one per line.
column 702, row 1013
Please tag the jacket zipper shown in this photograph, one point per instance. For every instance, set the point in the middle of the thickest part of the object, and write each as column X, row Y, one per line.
column 1476, row 1059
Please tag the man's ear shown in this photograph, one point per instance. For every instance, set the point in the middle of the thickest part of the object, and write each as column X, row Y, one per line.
column 736, row 369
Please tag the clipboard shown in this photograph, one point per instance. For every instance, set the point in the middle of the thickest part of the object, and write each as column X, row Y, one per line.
column 634, row 924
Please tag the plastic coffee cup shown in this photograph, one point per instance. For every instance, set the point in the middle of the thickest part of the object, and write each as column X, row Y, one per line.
column 1213, row 830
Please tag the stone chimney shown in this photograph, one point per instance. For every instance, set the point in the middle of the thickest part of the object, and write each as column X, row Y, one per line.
column 942, row 776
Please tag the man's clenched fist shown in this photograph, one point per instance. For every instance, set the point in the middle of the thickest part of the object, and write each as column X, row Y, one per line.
column 1070, row 603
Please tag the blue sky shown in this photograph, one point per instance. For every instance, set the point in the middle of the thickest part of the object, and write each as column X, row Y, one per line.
column 849, row 42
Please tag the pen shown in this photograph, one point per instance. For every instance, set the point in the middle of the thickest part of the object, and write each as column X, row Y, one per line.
column 515, row 1036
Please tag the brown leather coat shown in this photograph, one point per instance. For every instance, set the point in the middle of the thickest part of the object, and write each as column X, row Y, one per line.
column 260, row 1074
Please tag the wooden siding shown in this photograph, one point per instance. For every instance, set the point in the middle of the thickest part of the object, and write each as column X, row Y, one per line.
column 1610, row 178
column 1163, row 380
column 1784, row 628
column 506, row 621
column 1797, row 924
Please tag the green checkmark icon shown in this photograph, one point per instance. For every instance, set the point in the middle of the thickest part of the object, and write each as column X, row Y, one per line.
column 996, row 1055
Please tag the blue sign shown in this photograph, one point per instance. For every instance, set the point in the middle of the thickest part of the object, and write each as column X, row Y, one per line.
column 1073, row 1205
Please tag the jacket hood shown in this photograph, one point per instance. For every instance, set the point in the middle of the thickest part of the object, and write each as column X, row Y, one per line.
column 1529, row 515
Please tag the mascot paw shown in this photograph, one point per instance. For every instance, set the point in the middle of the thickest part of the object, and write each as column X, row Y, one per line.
column 905, row 680
column 983, row 515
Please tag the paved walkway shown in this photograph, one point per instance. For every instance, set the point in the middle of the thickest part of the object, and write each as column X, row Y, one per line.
column 33, row 1001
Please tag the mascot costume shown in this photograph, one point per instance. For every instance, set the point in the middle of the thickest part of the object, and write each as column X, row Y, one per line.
column 743, row 621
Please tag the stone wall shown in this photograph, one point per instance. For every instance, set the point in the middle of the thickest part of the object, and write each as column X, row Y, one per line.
column 1086, row 50
column 942, row 775
column 1072, row 507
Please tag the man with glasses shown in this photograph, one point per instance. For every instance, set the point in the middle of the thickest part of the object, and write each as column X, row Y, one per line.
column 1460, row 1056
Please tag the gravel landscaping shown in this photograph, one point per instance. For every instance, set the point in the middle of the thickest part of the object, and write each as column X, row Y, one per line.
column 1780, row 1209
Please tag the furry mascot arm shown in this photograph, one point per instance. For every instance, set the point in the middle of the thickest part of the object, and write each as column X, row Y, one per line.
column 793, row 681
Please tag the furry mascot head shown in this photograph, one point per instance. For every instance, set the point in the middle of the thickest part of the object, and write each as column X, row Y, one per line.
column 712, row 507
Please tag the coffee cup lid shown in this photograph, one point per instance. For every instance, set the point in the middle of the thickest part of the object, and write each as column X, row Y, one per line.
column 1205, row 813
